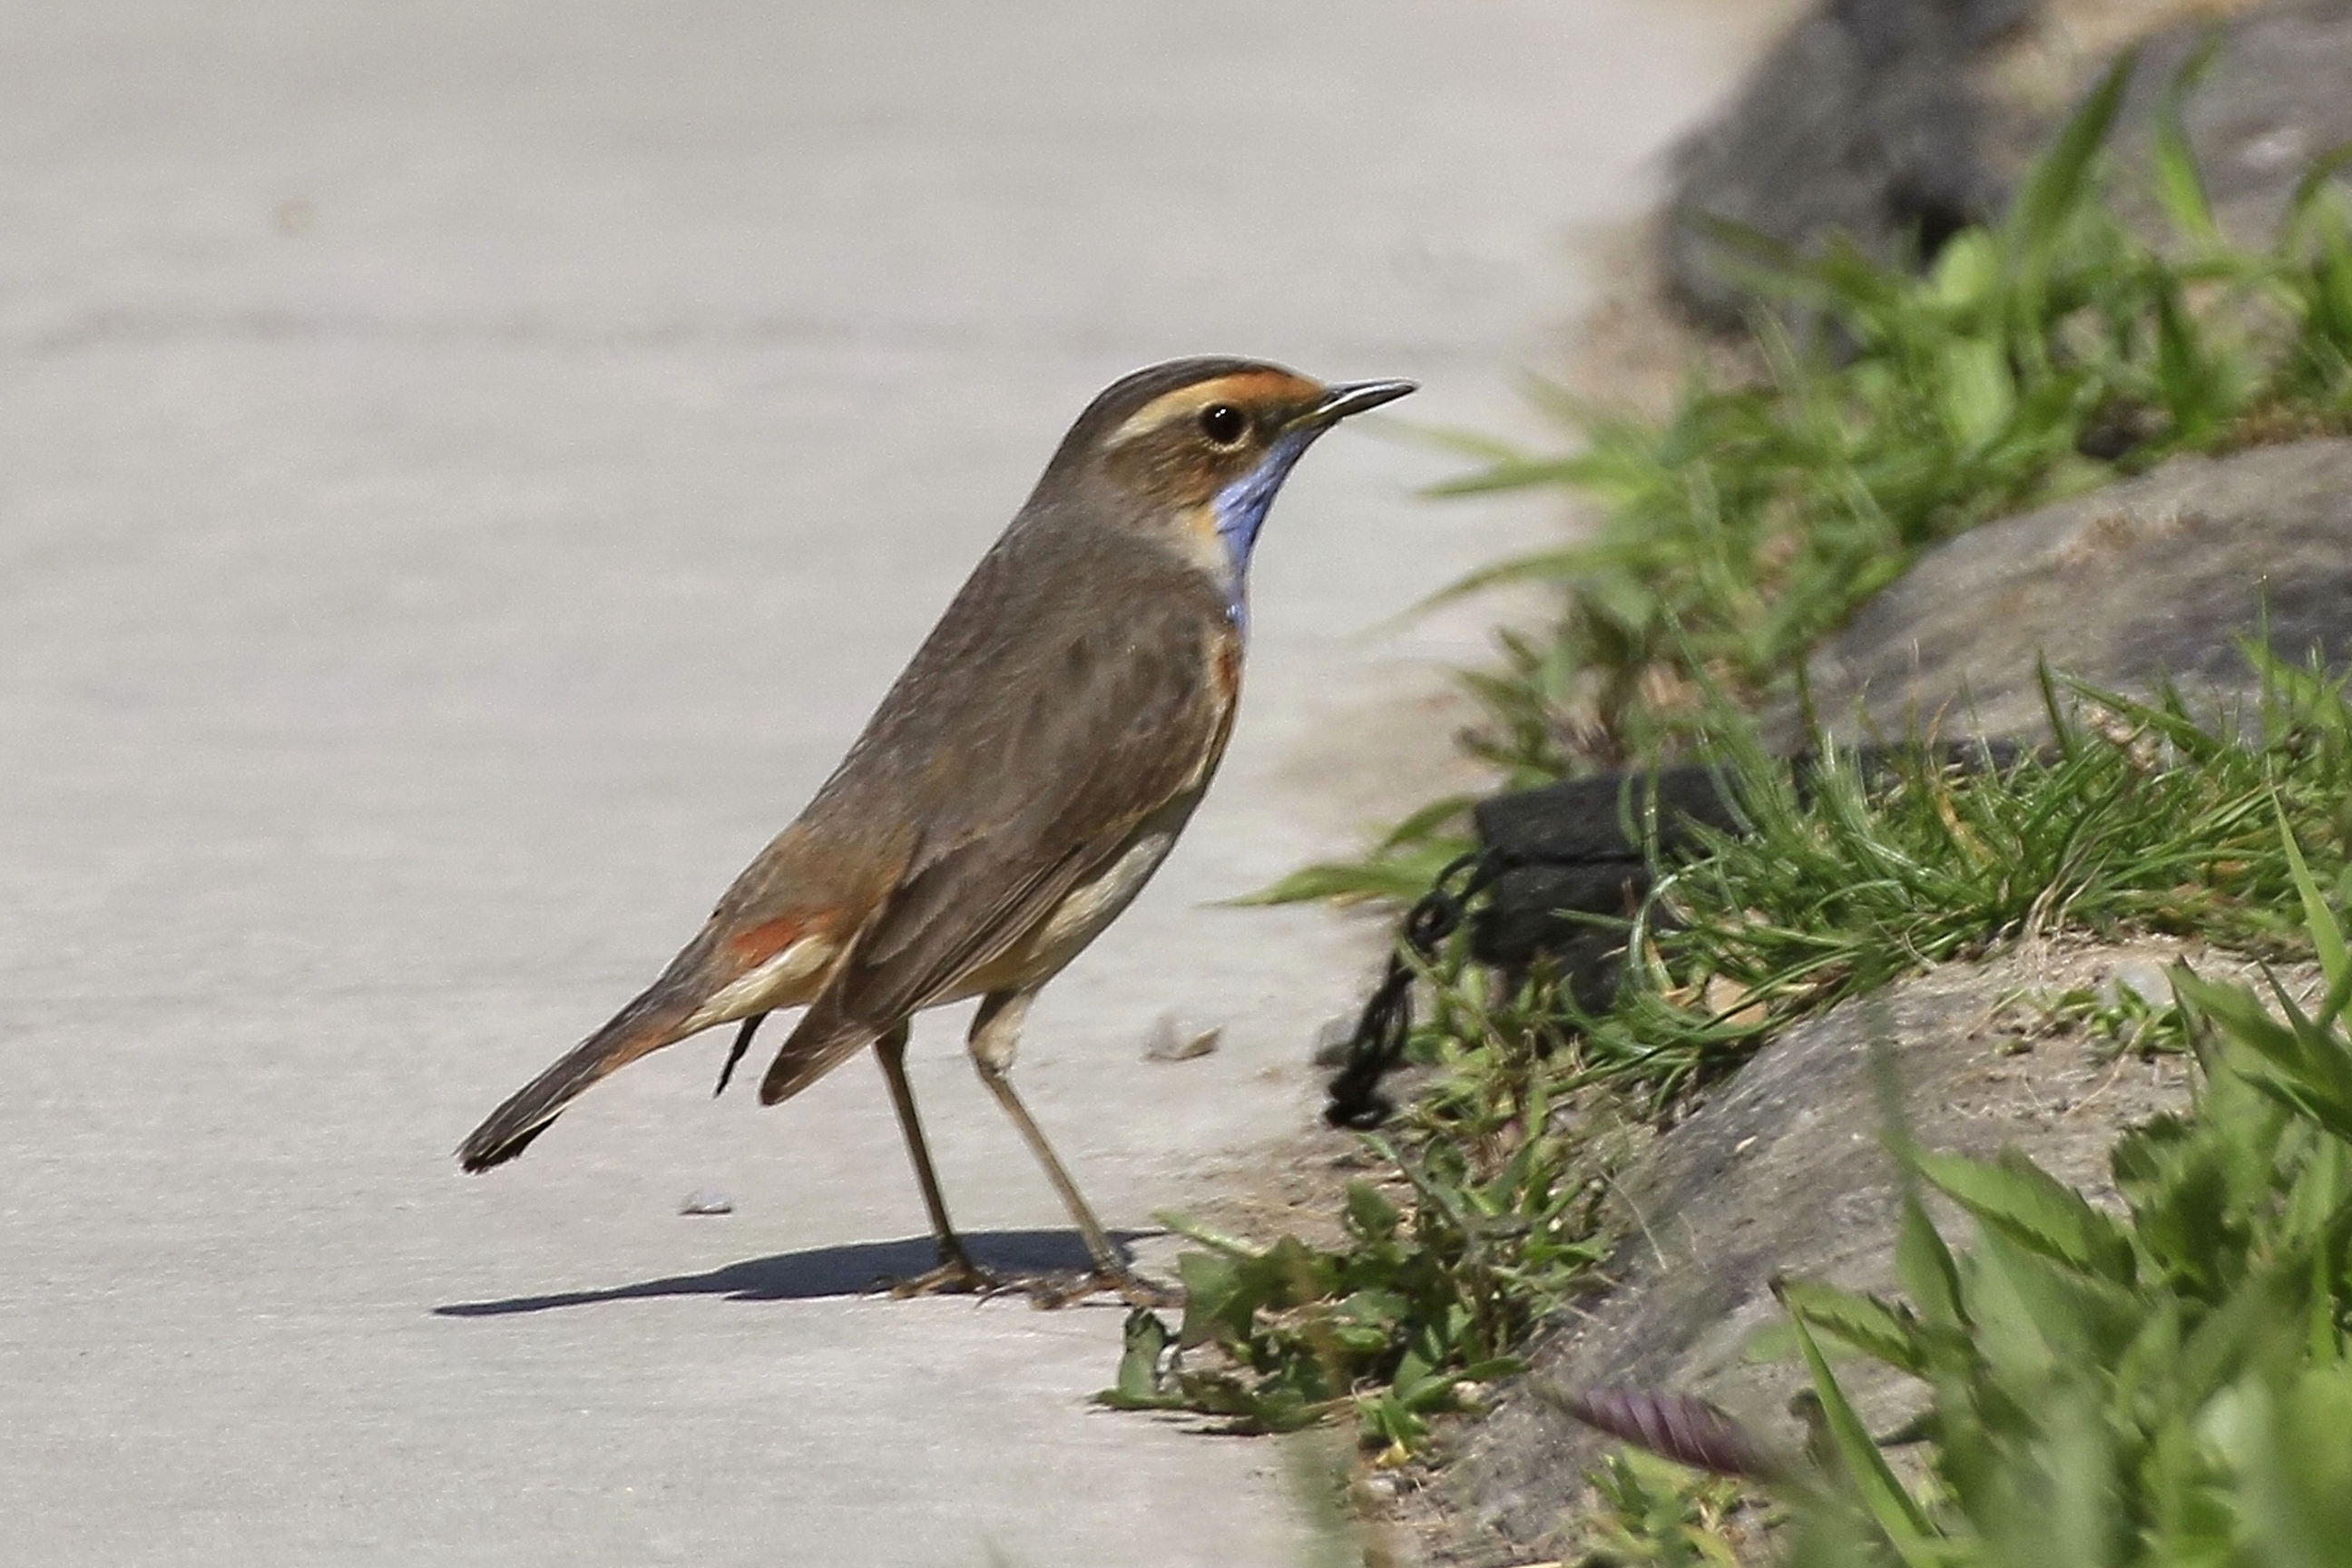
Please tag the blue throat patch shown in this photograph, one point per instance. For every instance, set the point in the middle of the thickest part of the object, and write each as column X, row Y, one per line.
column 1241, row 508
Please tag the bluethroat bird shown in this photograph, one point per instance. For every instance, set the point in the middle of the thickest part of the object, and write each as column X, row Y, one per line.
column 1019, row 783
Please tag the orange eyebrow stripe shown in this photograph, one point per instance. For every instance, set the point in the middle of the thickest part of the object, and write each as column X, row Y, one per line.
column 1247, row 388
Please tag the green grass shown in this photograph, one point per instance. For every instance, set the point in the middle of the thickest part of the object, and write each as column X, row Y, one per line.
column 2149, row 822
column 2057, row 352
column 1485, row 1224
column 2052, row 354
column 2044, row 358
column 1490, row 1217
column 2166, row 1388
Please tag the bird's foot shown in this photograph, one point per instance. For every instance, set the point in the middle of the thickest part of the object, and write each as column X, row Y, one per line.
column 1046, row 1291
column 953, row 1277
column 1138, row 1291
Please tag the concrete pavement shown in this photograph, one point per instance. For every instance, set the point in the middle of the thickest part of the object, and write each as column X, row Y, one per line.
column 470, row 469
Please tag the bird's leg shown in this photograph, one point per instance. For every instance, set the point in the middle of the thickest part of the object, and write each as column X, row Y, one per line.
column 956, row 1270
column 995, row 1034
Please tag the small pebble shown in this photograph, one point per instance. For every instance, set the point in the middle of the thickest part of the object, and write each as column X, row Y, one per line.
column 1331, row 1041
column 2281, row 147
column 2144, row 978
column 707, row 1200
column 1171, row 1040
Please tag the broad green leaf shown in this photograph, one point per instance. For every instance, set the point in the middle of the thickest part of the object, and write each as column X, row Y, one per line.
column 1883, row 1494
column 2326, row 936
column 2034, row 1209
column 1863, row 1321
column 1924, row 1264
column 1145, row 1339
column 1371, row 1215
column 2036, row 1314
column 1978, row 392
column 2257, row 1315
column 1215, row 1305
column 1967, row 269
column 2242, row 1017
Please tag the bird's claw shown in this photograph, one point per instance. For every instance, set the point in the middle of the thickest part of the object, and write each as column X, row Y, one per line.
column 1046, row 1291
column 1138, row 1291
column 953, row 1277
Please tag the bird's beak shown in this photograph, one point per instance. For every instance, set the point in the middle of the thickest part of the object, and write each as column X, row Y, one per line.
column 1338, row 402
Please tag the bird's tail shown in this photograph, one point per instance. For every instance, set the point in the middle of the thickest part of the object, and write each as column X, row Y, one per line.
column 646, row 1025
column 824, row 1040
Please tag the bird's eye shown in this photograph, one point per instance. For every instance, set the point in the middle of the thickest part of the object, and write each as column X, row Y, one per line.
column 1223, row 424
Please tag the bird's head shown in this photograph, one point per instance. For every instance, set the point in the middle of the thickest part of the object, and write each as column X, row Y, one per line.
column 1192, row 452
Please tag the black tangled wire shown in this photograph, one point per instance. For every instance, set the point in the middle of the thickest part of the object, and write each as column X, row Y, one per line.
column 1377, row 1047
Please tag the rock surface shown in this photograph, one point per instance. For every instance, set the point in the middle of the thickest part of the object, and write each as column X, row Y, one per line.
column 1896, row 121
column 1782, row 1171
column 2275, row 99
column 1861, row 120
column 2122, row 588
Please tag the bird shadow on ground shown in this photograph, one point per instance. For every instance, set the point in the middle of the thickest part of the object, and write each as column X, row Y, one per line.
column 857, row 1269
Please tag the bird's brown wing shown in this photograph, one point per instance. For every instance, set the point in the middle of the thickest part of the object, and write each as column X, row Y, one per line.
column 1107, row 720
